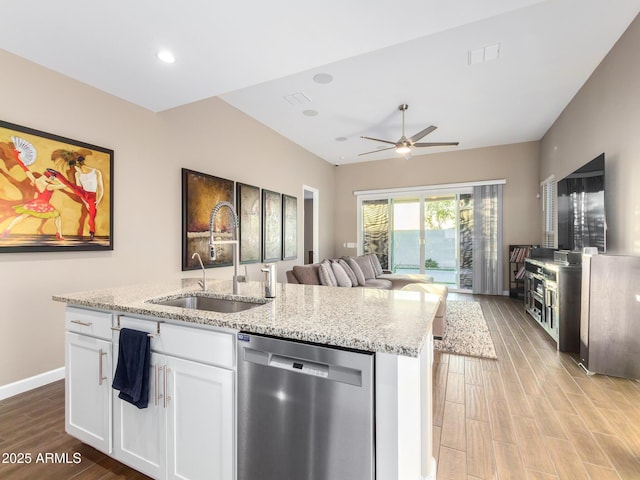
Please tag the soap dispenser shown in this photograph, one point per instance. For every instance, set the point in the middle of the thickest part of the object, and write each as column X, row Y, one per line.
column 270, row 280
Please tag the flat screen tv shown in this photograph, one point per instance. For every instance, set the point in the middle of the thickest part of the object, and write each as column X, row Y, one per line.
column 581, row 214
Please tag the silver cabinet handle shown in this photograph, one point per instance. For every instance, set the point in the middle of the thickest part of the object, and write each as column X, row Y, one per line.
column 101, row 378
column 157, row 374
column 166, row 397
column 80, row 322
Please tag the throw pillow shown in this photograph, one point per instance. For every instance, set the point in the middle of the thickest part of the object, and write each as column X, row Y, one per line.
column 375, row 261
column 357, row 271
column 307, row 274
column 341, row 276
column 352, row 276
column 364, row 263
column 326, row 274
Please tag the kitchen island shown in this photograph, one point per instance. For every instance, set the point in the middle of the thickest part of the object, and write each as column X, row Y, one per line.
column 395, row 325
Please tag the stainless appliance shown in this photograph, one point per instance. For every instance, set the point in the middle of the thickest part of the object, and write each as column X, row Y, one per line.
column 305, row 412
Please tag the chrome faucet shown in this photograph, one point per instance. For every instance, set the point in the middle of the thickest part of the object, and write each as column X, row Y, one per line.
column 235, row 223
column 203, row 282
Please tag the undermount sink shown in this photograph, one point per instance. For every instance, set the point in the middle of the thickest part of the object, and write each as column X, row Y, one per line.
column 210, row 304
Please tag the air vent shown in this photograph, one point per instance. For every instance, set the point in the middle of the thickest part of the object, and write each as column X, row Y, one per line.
column 484, row 54
column 298, row 98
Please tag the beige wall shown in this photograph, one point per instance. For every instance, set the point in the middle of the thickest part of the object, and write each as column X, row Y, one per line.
column 605, row 117
column 212, row 137
column 517, row 164
column 208, row 136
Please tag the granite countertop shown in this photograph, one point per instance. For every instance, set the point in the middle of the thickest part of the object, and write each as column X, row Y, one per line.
column 388, row 321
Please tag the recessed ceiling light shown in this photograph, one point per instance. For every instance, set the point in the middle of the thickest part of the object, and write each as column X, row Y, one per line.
column 166, row 56
column 310, row 113
column 323, row 78
column 341, row 139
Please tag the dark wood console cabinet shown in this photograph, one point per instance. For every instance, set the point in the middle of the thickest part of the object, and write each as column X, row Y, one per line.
column 552, row 298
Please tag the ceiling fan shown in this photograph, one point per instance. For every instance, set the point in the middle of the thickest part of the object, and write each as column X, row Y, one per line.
column 405, row 145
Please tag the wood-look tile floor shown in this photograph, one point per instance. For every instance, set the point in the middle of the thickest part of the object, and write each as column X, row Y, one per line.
column 33, row 423
column 533, row 413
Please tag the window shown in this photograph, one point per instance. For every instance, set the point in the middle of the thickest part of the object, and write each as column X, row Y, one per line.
column 549, row 212
column 431, row 230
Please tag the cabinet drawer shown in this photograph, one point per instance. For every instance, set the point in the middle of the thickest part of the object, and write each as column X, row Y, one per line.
column 88, row 322
column 197, row 344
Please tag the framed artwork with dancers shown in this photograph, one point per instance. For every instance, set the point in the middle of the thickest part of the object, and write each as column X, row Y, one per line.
column 55, row 193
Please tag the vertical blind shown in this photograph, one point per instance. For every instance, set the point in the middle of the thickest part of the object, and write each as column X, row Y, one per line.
column 487, row 239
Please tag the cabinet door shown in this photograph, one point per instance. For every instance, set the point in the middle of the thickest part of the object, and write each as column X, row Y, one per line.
column 200, row 421
column 140, row 433
column 88, row 390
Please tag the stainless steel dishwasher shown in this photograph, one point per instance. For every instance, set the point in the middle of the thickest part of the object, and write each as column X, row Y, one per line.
column 305, row 412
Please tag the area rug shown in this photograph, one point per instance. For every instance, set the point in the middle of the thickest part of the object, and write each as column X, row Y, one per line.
column 466, row 331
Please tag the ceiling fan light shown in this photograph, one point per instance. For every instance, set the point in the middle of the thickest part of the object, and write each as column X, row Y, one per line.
column 403, row 149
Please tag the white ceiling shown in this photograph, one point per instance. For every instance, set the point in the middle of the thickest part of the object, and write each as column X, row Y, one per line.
column 380, row 53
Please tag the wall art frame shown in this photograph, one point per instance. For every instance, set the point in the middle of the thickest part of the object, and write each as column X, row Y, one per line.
column 200, row 193
column 248, row 200
column 271, row 226
column 289, row 227
column 56, row 193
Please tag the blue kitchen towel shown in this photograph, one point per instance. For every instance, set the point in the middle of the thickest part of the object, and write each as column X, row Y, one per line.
column 132, row 372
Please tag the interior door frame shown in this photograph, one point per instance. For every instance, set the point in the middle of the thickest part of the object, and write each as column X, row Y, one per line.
column 316, row 221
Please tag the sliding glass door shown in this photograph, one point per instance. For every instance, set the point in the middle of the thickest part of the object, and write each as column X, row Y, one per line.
column 422, row 233
column 407, row 256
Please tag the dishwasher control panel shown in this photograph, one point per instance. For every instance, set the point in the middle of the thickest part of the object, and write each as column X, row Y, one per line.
column 302, row 366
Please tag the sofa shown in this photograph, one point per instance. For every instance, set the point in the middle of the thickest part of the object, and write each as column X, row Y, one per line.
column 366, row 271
column 361, row 271
column 442, row 291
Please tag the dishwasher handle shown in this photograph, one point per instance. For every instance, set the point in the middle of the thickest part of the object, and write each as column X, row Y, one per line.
column 301, row 366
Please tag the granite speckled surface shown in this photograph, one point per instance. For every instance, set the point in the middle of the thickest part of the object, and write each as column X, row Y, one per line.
column 389, row 321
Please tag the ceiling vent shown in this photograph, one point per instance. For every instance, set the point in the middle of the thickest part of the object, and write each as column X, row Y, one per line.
column 484, row 54
column 298, row 98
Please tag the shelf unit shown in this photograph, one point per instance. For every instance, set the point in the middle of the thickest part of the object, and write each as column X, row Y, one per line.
column 517, row 255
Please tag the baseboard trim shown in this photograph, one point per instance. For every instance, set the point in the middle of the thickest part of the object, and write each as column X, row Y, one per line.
column 30, row 383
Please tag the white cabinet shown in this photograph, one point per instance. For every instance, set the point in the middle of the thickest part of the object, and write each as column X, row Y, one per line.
column 200, row 420
column 187, row 431
column 88, row 367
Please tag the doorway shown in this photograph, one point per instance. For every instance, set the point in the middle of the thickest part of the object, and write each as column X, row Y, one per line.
column 311, row 222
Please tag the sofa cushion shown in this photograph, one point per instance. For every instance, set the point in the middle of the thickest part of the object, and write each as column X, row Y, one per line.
column 308, row 274
column 349, row 271
column 291, row 277
column 341, row 276
column 399, row 280
column 364, row 262
column 326, row 274
column 378, row 283
column 356, row 270
column 375, row 262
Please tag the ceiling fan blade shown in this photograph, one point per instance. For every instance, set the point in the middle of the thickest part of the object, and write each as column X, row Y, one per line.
column 375, row 151
column 378, row 140
column 422, row 133
column 437, row 144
